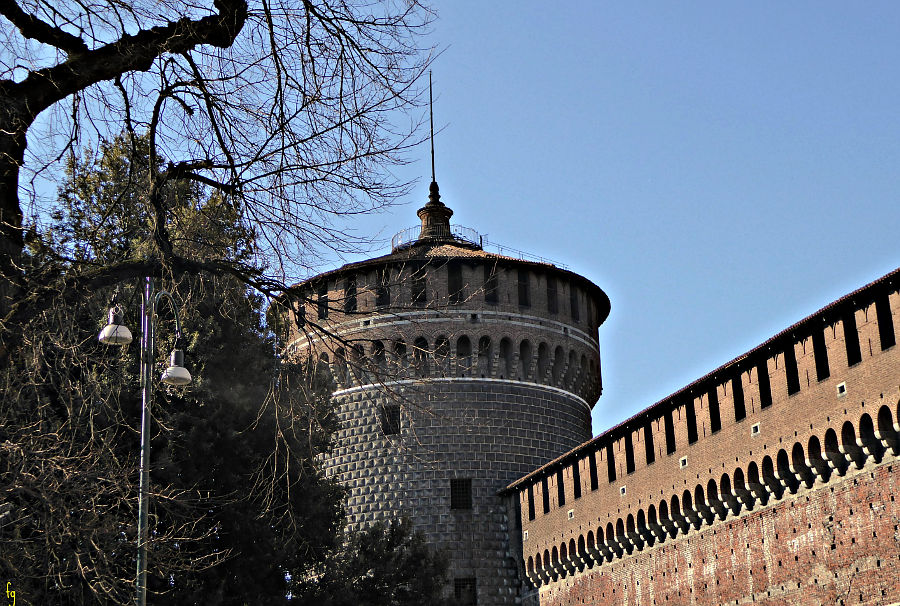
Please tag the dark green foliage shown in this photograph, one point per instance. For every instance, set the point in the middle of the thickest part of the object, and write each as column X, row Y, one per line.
column 240, row 512
column 103, row 217
column 237, row 499
column 241, row 446
column 386, row 564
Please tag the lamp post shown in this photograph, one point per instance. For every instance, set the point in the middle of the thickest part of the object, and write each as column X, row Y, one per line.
column 115, row 333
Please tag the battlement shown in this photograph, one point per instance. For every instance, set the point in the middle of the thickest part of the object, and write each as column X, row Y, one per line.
column 803, row 409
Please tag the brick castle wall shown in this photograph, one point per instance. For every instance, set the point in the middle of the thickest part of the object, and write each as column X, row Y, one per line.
column 734, row 456
column 834, row 544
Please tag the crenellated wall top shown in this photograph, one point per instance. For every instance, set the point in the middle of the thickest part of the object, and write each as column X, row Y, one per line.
column 777, row 351
column 439, row 254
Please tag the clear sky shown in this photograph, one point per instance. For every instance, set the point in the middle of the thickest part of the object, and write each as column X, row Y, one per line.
column 720, row 169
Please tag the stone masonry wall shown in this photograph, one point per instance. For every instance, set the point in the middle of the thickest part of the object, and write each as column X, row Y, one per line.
column 479, row 390
column 487, row 431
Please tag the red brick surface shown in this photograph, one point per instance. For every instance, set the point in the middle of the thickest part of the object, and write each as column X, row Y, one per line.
column 833, row 544
column 813, row 534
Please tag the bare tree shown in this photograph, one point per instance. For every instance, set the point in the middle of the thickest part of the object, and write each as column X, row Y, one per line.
column 289, row 112
column 288, row 108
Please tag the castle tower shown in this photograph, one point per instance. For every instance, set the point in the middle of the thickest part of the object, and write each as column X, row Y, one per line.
column 456, row 371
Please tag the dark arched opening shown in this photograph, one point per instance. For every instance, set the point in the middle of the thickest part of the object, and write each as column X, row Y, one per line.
column 815, row 459
column 621, row 537
column 886, row 432
column 583, row 552
column 769, row 479
column 559, row 363
column 543, row 365
column 420, row 357
column 870, row 444
column 340, row 367
column 833, row 453
column 463, row 356
column 784, row 473
column 525, row 355
column 755, row 485
column 714, row 500
column 727, row 495
column 485, row 356
column 690, row 510
column 681, row 522
column 571, row 369
column 401, row 360
column 506, row 359
column 798, row 465
column 668, row 525
column 380, row 359
column 442, row 355
column 610, row 541
column 849, row 446
column 741, row 491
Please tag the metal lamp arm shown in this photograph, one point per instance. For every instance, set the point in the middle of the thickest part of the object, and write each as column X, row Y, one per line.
column 164, row 293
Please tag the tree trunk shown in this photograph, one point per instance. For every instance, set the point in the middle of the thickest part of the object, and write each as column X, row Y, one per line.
column 12, row 241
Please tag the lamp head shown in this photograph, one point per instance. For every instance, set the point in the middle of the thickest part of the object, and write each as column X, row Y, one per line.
column 176, row 373
column 115, row 333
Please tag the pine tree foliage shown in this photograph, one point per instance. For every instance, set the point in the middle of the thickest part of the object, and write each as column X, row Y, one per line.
column 386, row 563
column 251, row 129
column 237, row 498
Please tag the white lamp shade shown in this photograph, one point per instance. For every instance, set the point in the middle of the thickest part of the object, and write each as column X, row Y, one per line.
column 115, row 333
column 176, row 373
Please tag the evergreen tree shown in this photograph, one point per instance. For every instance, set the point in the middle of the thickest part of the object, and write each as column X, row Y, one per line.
column 240, row 512
column 217, row 446
column 383, row 564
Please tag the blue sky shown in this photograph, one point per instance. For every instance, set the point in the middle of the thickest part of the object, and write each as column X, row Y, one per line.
column 721, row 170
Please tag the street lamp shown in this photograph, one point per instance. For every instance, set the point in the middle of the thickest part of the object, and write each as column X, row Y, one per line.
column 116, row 333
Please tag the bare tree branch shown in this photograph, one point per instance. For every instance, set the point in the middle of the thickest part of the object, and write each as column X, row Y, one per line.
column 34, row 28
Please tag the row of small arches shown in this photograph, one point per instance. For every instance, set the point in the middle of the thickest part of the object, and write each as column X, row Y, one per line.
column 380, row 361
column 820, row 461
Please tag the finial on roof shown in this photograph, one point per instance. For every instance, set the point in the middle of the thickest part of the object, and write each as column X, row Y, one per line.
column 435, row 217
column 434, row 194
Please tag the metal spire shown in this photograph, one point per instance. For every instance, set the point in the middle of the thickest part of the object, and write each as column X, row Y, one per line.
column 434, row 194
column 431, row 120
column 434, row 215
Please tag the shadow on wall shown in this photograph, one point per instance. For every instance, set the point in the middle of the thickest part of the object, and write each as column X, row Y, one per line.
column 820, row 461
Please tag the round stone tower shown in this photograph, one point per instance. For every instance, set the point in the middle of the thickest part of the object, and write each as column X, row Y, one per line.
column 457, row 371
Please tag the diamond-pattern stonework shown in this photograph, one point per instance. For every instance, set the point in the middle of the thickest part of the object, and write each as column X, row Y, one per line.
column 488, row 390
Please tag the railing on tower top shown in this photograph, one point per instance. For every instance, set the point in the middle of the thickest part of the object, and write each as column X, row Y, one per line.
column 506, row 251
column 410, row 235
